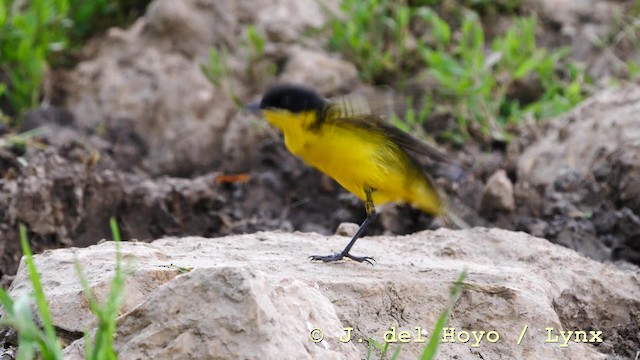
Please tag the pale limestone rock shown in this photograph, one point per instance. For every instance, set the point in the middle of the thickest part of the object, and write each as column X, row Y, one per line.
column 577, row 140
column 347, row 229
column 175, row 110
column 230, row 312
column 243, row 287
column 318, row 70
column 150, row 74
column 498, row 193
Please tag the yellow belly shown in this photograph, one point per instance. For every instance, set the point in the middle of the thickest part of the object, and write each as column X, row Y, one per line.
column 355, row 163
column 357, row 158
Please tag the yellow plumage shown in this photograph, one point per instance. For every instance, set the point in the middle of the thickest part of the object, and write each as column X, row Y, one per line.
column 355, row 156
column 344, row 140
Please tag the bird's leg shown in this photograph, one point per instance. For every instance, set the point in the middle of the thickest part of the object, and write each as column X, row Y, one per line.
column 371, row 215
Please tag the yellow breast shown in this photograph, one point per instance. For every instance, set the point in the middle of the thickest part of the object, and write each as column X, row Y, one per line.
column 353, row 156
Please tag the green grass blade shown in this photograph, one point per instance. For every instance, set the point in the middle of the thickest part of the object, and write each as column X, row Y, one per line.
column 369, row 350
column 115, row 230
column 396, row 353
column 103, row 347
column 43, row 307
column 5, row 300
column 376, row 344
column 432, row 347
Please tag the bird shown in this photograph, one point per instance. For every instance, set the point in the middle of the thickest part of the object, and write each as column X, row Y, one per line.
column 357, row 148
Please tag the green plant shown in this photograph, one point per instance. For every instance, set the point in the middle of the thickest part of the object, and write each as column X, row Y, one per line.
column 219, row 73
column 32, row 340
column 30, row 32
column 431, row 349
column 255, row 42
column 91, row 17
column 34, row 34
column 384, row 349
column 621, row 45
column 476, row 83
column 102, row 346
column 493, row 6
column 23, row 140
column 414, row 116
column 374, row 37
column 258, row 68
column 218, row 70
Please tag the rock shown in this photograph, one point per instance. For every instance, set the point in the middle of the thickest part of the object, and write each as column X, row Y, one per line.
column 288, row 20
column 621, row 170
column 8, row 354
column 347, row 229
column 595, row 129
column 151, row 75
column 57, row 197
column 232, row 308
column 240, row 142
column 579, row 25
column 180, row 116
column 246, row 289
column 191, row 26
column 323, row 72
column 581, row 176
column 194, row 26
column 66, row 199
column 498, row 193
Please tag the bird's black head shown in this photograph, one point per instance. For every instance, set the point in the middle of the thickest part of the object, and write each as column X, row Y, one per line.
column 293, row 98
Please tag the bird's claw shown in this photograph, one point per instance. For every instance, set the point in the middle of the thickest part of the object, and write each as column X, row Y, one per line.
column 367, row 259
column 327, row 258
column 340, row 256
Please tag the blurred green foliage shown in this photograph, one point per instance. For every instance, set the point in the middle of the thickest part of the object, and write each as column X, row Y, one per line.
column 34, row 342
column 622, row 44
column 373, row 35
column 94, row 16
column 40, row 341
column 35, row 33
column 217, row 69
column 29, row 33
column 473, row 79
column 258, row 68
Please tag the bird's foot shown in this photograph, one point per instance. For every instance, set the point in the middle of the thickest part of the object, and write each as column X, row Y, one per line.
column 327, row 258
column 368, row 260
column 340, row 256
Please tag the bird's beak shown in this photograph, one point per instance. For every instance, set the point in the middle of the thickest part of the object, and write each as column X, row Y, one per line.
column 253, row 107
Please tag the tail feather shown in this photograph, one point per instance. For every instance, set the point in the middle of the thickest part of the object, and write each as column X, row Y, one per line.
column 434, row 201
column 451, row 219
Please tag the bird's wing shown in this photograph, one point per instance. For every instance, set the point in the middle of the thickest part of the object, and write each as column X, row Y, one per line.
column 354, row 111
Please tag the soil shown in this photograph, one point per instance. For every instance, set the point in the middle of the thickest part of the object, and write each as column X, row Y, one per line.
column 83, row 189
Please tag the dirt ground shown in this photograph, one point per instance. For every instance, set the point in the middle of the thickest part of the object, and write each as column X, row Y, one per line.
column 83, row 190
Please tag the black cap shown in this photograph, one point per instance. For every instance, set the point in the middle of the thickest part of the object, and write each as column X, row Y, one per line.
column 293, row 98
